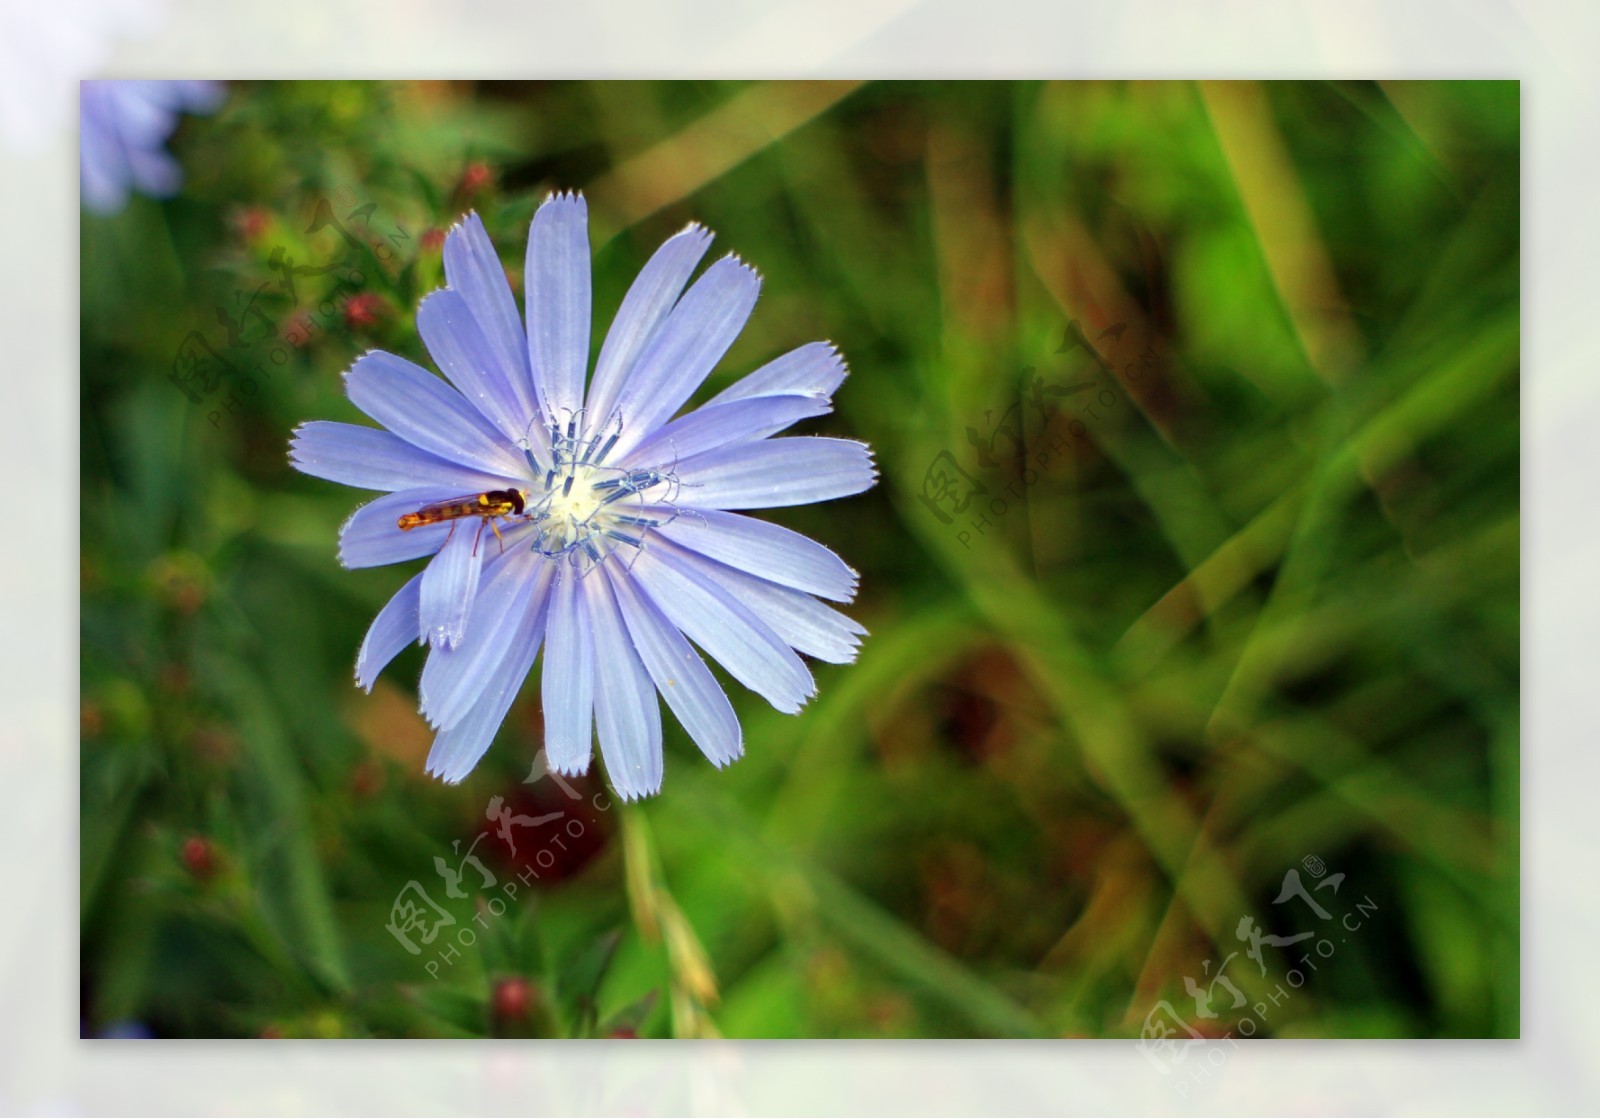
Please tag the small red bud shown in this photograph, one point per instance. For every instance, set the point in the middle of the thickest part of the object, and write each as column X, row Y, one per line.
column 475, row 179
column 251, row 224
column 512, row 999
column 365, row 309
column 199, row 856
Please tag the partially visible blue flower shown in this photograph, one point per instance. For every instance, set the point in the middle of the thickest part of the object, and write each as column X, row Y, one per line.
column 629, row 550
column 124, row 130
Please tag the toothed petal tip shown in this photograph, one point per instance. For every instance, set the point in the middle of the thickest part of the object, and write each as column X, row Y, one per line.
column 734, row 755
column 630, row 796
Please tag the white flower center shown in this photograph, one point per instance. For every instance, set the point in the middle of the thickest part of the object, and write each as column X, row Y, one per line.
column 585, row 509
column 573, row 499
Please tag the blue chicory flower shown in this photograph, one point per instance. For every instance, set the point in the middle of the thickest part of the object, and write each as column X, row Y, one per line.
column 615, row 539
column 124, row 126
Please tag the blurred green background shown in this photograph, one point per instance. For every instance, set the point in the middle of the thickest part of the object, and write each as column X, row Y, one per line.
column 1194, row 563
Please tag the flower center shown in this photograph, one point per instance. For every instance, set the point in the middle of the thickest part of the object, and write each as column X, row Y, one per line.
column 572, row 498
column 585, row 509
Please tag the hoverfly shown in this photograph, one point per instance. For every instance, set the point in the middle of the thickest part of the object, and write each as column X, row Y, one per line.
column 486, row 506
